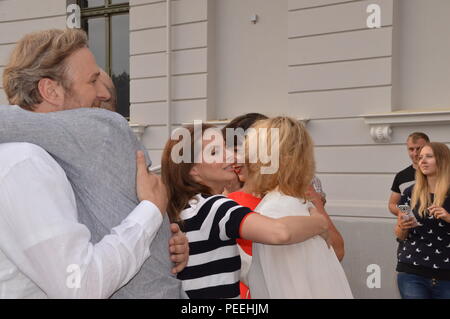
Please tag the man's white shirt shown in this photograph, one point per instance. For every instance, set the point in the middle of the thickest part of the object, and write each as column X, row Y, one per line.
column 44, row 251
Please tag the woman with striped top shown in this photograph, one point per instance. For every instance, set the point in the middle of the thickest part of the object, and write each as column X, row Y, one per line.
column 213, row 222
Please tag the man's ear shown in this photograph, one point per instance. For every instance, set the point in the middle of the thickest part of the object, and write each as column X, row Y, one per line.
column 51, row 92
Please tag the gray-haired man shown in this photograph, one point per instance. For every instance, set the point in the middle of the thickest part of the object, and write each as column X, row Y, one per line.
column 54, row 71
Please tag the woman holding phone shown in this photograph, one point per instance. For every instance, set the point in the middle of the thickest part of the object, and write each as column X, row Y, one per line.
column 424, row 261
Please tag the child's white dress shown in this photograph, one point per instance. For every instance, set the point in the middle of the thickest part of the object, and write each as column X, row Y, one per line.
column 306, row 270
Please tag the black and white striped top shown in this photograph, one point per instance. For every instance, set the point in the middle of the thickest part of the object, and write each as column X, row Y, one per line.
column 212, row 225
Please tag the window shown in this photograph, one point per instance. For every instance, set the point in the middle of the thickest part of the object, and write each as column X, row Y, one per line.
column 107, row 25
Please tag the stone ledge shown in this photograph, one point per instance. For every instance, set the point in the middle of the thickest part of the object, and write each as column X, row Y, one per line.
column 381, row 124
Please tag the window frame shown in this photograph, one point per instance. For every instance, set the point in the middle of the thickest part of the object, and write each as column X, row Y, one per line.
column 107, row 11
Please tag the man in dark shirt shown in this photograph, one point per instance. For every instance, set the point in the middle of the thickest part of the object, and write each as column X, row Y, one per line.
column 406, row 177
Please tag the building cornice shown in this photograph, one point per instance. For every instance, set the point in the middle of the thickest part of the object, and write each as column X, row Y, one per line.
column 381, row 124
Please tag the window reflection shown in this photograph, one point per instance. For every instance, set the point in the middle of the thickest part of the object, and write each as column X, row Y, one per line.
column 120, row 61
column 107, row 25
column 117, row 1
column 96, row 29
column 92, row 3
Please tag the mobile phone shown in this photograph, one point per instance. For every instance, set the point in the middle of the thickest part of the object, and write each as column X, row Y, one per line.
column 408, row 211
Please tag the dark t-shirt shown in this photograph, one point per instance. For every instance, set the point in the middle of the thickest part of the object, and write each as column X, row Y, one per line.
column 426, row 250
column 403, row 180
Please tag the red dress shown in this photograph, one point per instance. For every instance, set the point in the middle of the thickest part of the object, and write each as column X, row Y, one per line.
column 250, row 201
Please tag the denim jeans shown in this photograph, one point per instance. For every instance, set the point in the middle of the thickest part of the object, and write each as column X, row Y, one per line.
column 419, row 287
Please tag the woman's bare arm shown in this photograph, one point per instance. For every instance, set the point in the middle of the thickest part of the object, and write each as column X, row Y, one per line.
column 282, row 231
column 336, row 240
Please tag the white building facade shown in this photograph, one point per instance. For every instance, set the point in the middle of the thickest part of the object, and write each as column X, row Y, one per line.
column 361, row 90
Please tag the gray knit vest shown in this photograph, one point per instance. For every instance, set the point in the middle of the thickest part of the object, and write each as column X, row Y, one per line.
column 97, row 150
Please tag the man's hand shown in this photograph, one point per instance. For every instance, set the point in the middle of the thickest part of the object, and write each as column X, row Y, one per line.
column 178, row 248
column 149, row 186
column 393, row 202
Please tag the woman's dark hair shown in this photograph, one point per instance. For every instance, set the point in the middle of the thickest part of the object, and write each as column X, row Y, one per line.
column 243, row 122
column 180, row 186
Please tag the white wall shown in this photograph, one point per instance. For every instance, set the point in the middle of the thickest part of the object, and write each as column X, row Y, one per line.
column 337, row 66
column 19, row 17
column 250, row 58
column 422, row 68
column 148, row 59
